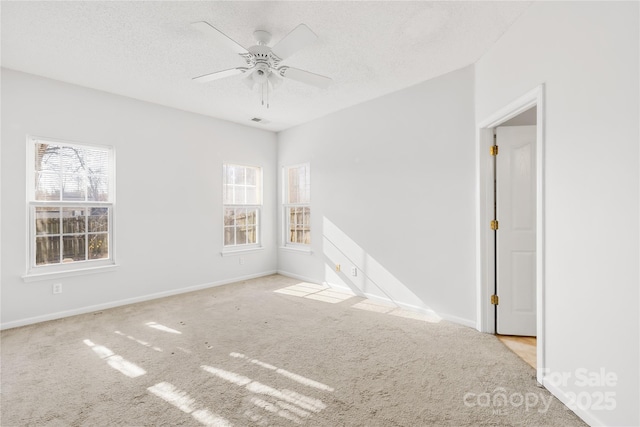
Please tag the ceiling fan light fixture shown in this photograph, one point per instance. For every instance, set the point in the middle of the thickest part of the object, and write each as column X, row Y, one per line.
column 275, row 80
column 261, row 73
column 249, row 81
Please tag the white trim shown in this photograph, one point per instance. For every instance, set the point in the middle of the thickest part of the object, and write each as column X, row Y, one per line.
column 32, row 140
column 484, row 256
column 243, row 246
column 297, row 276
column 286, row 205
column 415, row 308
column 258, row 207
column 77, row 144
column 459, row 320
column 35, row 277
column 306, row 250
column 118, row 303
column 61, row 269
column 586, row 416
column 455, row 319
column 241, row 251
column 29, row 195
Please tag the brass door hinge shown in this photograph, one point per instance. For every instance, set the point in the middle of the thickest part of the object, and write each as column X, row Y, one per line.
column 494, row 299
column 494, row 225
column 493, row 150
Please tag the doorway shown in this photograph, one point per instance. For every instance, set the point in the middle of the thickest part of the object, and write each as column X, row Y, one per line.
column 488, row 258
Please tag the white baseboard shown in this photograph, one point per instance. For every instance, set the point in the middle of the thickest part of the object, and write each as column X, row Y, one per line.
column 112, row 304
column 297, row 276
column 411, row 307
column 584, row 414
column 459, row 320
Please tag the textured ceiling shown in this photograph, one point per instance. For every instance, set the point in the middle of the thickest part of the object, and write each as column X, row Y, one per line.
column 149, row 51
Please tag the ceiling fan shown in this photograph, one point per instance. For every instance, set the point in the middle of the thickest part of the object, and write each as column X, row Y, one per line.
column 263, row 62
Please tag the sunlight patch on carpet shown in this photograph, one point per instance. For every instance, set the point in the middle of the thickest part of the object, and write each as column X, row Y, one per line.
column 295, row 377
column 290, row 396
column 256, row 418
column 292, row 408
column 393, row 310
column 162, row 328
column 116, row 361
column 144, row 343
column 229, row 376
column 181, row 400
column 316, row 292
column 288, row 404
column 275, row 410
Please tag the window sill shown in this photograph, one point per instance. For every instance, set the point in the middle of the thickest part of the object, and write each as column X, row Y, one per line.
column 35, row 277
column 297, row 249
column 241, row 251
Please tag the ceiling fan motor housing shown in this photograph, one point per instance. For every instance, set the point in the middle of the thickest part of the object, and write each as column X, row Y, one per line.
column 262, row 62
column 262, row 37
column 262, row 53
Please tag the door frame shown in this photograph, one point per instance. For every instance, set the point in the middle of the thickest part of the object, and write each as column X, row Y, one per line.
column 485, row 273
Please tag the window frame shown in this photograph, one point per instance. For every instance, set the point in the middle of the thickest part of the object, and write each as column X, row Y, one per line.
column 287, row 205
column 245, row 247
column 63, row 269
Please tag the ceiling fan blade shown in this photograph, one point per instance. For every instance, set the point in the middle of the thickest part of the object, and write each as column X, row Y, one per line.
column 220, row 37
column 219, row 75
column 298, row 38
column 306, row 77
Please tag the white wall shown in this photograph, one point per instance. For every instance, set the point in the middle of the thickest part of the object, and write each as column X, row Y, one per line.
column 586, row 54
column 169, row 195
column 392, row 192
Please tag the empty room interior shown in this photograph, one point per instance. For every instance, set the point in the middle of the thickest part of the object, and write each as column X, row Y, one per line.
column 327, row 213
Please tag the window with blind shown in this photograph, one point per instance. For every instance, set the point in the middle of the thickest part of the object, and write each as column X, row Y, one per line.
column 242, row 200
column 297, row 205
column 71, row 201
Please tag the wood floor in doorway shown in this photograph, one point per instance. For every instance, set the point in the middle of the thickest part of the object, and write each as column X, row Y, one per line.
column 525, row 347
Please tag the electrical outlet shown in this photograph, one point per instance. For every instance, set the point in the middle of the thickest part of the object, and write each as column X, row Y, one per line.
column 57, row 288
column 241, row 261
column 337, row 267
column 354, row 271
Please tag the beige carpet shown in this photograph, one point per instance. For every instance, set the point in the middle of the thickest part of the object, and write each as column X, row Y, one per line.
column 245, row 355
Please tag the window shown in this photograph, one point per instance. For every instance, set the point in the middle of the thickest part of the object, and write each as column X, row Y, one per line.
column 71, row 195
column 297, row 207
column 242, row 199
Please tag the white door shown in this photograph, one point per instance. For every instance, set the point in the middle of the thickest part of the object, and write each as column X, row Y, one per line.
column 516, row 235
